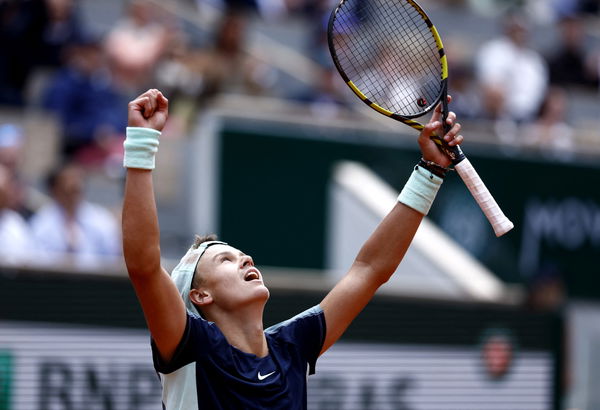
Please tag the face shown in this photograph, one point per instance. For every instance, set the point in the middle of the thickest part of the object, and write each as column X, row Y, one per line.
column 497, row 355
column 232, row 34
column 230, row 278
column 518, row 32
column 68, row 189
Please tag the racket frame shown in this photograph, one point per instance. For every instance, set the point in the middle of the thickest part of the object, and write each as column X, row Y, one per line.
column 500, row 223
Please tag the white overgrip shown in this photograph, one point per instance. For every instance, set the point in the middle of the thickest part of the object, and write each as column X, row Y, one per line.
column 500, row 223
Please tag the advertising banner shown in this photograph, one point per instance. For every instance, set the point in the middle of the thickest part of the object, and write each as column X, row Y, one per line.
column 412, row 377
column 55, row 367
column 51, row 367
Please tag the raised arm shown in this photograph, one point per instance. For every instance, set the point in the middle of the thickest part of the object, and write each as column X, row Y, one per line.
column 162, row 305
column 379, row 257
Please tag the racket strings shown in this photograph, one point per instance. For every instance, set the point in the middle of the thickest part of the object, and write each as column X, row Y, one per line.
column 389, row 53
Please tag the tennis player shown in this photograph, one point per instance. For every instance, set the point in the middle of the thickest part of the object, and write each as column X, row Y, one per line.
column 206, row 318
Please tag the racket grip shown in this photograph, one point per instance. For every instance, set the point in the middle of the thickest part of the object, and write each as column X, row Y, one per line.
column 488, row 205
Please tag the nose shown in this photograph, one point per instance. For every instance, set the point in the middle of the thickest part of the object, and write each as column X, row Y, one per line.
column 247, row 261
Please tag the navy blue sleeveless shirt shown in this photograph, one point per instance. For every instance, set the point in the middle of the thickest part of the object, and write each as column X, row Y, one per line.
column 206, row 372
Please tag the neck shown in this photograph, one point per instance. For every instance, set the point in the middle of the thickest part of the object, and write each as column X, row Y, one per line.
column 243, row 329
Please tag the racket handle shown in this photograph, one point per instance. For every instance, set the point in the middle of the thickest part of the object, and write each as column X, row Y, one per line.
column 488, row 205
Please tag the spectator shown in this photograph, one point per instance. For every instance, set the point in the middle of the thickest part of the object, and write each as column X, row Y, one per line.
column 194, row 76
column 88, row 104
column 183, row 82
column 546, row 291
column 570, row 7
column 465, row 99
column 498, row 351
column 62, row 29
column 465, row 96
column 11, row 148
column 16, row 243
column 569, row 64
column 72, row 229
column 326, row 97
column 550, row 132
column 513, row 77
column 327, row 93
column 32, row 33
column 227, row 67
column 136, row 44
column 21, row 25
column 11, row 142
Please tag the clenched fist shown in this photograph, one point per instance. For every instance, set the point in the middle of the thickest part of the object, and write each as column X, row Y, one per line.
column 149, row 110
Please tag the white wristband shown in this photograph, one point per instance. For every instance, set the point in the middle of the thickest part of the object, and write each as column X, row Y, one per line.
column 420, row 190
column 141, row 145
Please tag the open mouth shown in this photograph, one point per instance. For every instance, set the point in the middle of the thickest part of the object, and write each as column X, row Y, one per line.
column 251, row 275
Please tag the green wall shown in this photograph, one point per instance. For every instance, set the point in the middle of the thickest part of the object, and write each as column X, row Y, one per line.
column 273, row 203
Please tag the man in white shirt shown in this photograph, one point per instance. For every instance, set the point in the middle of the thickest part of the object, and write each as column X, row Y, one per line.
column 16, row 245
column 513, row 76
column 72, row 229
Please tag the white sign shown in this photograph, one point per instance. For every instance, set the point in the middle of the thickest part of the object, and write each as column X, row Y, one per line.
column 78, row 368
column 59, row 367
column 393, row 377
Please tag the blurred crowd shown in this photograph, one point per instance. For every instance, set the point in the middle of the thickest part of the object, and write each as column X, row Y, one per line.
column 84, row 79
column 525, row 91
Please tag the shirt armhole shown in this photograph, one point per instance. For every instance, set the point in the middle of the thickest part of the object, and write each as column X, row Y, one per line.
column 163, row 366
column 312, row 364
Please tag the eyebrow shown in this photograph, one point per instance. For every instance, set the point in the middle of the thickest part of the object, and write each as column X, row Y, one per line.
column 227, row 252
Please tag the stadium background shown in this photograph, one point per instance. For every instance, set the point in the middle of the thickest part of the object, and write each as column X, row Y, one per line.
column 73, row 337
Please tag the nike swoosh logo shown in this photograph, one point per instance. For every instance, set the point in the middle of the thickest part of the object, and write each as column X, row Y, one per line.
column 261, row 377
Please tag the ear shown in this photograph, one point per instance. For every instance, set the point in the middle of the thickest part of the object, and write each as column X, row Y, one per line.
column 200, row 297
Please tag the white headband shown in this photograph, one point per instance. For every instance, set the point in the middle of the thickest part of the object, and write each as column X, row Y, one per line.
column 183, row 273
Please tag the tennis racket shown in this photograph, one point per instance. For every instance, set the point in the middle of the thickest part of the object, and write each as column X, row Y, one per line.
column 391, row 55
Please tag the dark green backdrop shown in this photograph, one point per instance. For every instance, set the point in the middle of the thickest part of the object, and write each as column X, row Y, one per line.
column 274, row 201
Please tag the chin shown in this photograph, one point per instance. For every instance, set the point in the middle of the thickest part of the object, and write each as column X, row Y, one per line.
column 264, row 291
column 259, row 296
